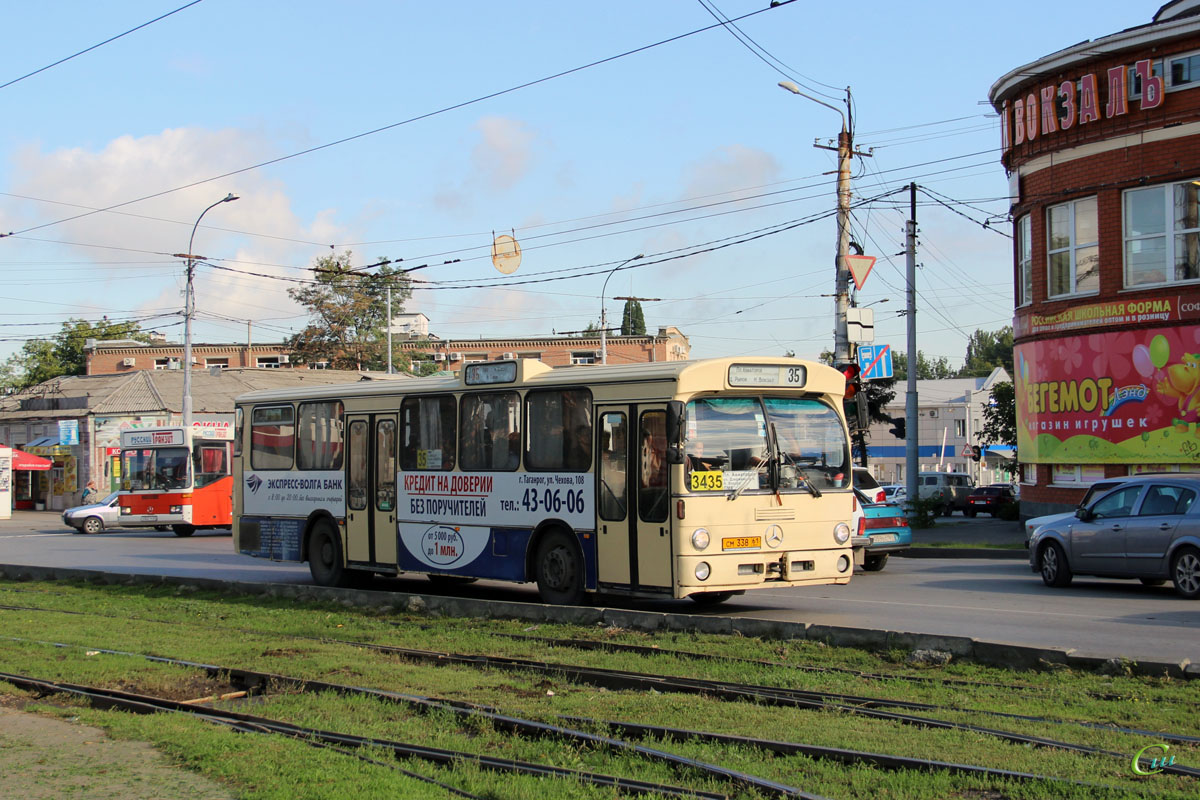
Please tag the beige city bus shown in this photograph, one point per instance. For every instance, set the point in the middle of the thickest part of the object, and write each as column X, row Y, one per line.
column 698, row 479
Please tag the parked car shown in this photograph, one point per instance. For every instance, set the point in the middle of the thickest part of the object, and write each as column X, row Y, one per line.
column 1100, row 487
column 951, row 489
column 94, row 517
column 1146, row 528
column 883, row 529
column 865, row 482
column 894, row 492
column 988, row 499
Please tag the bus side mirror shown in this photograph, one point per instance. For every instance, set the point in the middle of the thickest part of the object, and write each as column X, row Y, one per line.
column 675, row 415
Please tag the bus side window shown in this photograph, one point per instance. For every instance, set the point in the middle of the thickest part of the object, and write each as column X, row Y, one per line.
column 489, row 436
column 559, row 436
column 272, row 431
column 428, row 436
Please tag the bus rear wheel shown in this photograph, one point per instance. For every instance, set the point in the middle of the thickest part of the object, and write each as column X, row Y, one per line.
column 325, row 557
column 183, row 530
column 559, row 570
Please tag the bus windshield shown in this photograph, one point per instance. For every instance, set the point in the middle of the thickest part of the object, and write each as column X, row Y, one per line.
column 732, row 435
column 155, row 470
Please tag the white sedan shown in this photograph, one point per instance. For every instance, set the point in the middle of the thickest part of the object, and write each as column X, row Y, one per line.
column 94, row 517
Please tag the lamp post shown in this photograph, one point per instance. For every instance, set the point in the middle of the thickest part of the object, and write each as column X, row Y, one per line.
column 603, row 319
column 189, row 310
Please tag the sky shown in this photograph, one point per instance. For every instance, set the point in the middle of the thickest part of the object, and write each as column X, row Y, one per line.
column 592, row 132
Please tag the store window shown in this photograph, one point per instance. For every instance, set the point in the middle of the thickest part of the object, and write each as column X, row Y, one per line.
column 1024, row 260
column 1162, row 234
column 1073, row 252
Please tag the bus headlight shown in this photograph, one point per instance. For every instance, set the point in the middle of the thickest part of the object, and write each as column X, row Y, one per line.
column 176, row 509
column 703, row 570
column 700, row 538
column 841, row 533
column 126, row 510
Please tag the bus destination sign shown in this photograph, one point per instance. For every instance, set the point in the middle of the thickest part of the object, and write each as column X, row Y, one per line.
column 767, row 375
column 480, row 374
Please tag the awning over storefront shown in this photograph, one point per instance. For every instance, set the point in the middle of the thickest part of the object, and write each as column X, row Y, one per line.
column 23, row 460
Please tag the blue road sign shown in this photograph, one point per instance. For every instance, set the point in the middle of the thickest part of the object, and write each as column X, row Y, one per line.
column 875, row 361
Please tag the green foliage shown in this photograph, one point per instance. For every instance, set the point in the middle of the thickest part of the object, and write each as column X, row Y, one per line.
column 922, row 511
column 348, row 311
column 1000, row 417
column 987, row 350
column 927, row 368
column 633, row 323
column 44, row 359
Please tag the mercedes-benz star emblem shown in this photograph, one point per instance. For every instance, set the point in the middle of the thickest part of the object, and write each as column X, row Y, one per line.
column 774, row 536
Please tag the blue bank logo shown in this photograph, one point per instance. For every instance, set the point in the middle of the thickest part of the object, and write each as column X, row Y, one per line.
column 253, row 482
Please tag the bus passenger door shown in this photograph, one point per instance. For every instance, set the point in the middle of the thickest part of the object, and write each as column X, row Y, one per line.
column 633, row 529
column 371, row 489
column 612, row 502
column 652, row 500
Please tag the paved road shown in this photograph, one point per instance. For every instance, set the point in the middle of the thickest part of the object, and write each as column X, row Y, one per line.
column 997, row 600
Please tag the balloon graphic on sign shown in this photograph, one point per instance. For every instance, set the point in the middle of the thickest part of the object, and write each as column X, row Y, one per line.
column 1160, row 351
column 1142, row 361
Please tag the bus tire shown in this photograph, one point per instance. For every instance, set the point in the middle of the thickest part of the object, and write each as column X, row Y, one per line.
column 325, row 556
column 183, row 530
column 559, row 569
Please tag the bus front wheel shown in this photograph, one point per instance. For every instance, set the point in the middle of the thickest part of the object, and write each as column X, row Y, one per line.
column 325, row 557
column 183, row 530
column 559, row 568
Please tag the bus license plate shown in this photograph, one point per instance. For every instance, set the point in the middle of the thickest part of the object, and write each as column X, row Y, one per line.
column 741, row 543
column 149, row 518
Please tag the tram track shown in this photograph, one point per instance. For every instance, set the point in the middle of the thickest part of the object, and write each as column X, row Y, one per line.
column 255, row 683
column 626, row 680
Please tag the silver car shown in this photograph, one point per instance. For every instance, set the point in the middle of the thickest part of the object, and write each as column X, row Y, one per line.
column 1147, row 528
column 94, row 517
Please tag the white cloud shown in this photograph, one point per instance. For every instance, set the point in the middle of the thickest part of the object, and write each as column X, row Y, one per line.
column 503, row 154
column 131, row 167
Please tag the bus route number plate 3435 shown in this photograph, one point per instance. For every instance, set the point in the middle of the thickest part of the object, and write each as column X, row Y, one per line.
column 741, row 543
column 707, row 481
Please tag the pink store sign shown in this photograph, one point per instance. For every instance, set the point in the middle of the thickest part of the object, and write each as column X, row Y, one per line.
column 1131, row 397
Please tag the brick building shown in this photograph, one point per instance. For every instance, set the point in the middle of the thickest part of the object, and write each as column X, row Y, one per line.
column 116, row 356
column 1101, row 142
column 557, row 351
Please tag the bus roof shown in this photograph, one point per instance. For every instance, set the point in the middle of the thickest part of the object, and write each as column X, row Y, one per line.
column 689, row 376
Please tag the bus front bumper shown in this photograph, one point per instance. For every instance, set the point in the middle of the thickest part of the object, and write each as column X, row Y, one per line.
column 762, row 569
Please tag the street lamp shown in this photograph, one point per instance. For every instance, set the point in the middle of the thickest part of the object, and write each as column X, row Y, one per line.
column 603, row 319
column 189, row 310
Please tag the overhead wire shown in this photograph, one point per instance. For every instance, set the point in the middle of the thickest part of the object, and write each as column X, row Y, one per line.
column 408, row 121
column 100, row 44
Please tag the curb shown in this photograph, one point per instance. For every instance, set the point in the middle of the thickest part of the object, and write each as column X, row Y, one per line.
column 1002, row 654
column 963, row 552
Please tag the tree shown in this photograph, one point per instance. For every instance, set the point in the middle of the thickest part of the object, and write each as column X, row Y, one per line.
column 349, row 321
column 927, row 368
column 633, row 323
column 1000, row 418
column 43, row 359
column 987, row 350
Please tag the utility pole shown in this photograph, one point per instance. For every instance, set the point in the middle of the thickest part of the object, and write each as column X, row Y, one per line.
column 389, row 328
column 843, row 352
column 912, row 462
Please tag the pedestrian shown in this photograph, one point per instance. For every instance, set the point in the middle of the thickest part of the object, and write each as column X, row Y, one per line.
column 90, row 495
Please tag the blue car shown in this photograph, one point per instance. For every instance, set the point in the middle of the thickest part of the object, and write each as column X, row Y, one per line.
column 886, row 526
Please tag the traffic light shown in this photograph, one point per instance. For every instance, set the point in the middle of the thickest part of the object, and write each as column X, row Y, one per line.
column 852, row 373
column 897, row 428
column 976, row 453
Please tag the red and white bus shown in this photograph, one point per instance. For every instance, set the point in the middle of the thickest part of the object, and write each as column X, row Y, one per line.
column 171, row 478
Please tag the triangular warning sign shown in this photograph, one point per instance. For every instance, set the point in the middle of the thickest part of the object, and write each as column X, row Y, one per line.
column 860, row 268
